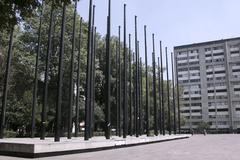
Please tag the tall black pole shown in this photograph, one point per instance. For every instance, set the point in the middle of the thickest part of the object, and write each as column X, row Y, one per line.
column 146, row 74
column 107, row 76
column 117, row 89
column 125, row 99
column 60, row 79
column 46, row 77
column 178, row 99
column 154, row 90
column 136, row 79
column 173, row 90
column 162, row 90
column 141, row 98
column 88, row 75
column 34, row 104
column 91, row 76
column 168, row 99
column 69, row 135
column 93, row 80
column 6, row 80
column 78, row 80
column 134, row 94
column 159, row 97
column 120, row 82
column 139, row 91
column 130, row 88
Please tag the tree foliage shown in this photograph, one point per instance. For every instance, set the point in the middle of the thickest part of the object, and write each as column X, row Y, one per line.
column 15, row 11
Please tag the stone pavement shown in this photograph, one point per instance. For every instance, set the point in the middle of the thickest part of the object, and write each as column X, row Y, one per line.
column 198, row 147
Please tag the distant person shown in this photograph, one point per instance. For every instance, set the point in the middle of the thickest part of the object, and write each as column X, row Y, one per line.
column 204, row 132
column 192, row 132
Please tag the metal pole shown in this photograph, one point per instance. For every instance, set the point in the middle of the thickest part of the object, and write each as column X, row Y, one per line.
column 117, row 89
column 162, row 90
column 159, row 96
column 147, row 85
column 46, row 77
column 107, row 76
column 125, row 99
column 93, row 80
column 178, row 98
column 60, row 79
column 130, row 88
column 138, row 93
column 168, row 99
column 154, row 90
column 69, row 135
column 141, row 98
column 34, row 104
column 88, row 82
column 6, row 80
column 174, row 106
column 120, row 82
column 78, row 80
column 91, row 76
column 134, row 94
column 136, row 79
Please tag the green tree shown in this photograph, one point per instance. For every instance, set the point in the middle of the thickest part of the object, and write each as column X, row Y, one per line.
column 12, row 12
column 203, row 126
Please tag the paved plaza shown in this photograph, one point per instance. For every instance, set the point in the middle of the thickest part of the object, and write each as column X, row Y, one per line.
column 198, row 147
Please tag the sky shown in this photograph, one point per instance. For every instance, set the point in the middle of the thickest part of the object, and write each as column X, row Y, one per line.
column 174, row 22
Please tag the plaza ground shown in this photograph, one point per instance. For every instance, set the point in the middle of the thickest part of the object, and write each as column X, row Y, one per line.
column 198, row 147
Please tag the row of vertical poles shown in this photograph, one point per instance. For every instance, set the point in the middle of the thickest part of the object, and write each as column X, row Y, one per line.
column 137, row 97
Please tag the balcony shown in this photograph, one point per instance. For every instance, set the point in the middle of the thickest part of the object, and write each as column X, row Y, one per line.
column 218, row 51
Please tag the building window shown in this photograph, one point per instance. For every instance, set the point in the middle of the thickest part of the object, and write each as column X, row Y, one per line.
column 219, row 72
column 218, row 48
column 194, row 68
column 182, row 69
column 196, row 104
column 209, row 61
column 236, row 89
column 196, row 98
column 219, row 54
column 207, row 49
column 210, row 91
column 193, row 63
column 211, row 110
column 221, row 90
column 222, row 110
column 195, row 80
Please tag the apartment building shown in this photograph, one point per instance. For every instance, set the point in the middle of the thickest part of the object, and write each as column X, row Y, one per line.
column 209, row 78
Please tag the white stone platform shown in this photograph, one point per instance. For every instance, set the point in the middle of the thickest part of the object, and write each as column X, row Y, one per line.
column 34, row 147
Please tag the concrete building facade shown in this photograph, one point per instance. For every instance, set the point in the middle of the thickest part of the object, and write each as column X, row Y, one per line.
column 209, row 78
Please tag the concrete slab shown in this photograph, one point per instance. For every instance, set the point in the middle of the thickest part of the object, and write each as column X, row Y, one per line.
column 34, row 147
